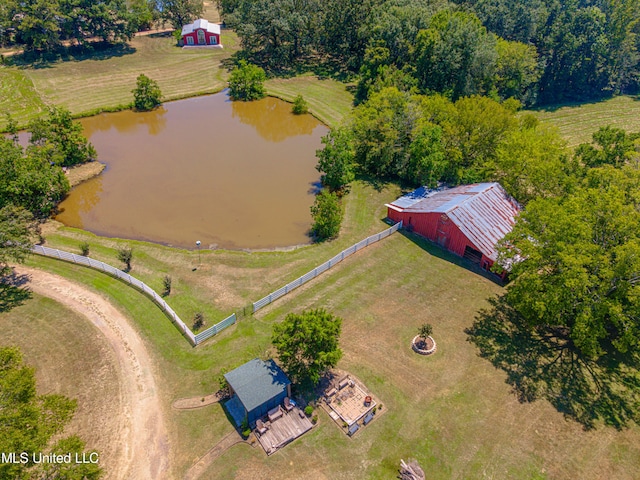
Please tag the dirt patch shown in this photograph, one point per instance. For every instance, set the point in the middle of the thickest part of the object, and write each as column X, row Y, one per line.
column 197, row 402
column 139, row 428
column 84, row 172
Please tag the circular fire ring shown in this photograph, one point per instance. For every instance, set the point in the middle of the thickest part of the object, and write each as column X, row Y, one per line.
column 427, row 351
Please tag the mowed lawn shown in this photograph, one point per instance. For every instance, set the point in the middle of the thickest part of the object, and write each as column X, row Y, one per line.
column 328, row 100
column 18, row 96
column 104, row 79
column 577, row 123
column 452, row 411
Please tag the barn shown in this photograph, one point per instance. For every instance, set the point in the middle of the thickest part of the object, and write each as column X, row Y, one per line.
column 201, row 33
column 256, row 388
column 468, row 220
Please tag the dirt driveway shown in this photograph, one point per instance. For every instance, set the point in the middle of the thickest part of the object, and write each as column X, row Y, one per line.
column 141, row 450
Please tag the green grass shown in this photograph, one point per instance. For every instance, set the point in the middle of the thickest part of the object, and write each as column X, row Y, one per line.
column 18, row 96
column 452, row 411
column 329, row 100
column 577, row 122
column 103, row 80
column 229, row 280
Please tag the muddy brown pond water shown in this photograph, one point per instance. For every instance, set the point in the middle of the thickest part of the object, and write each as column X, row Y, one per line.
column 230, row 174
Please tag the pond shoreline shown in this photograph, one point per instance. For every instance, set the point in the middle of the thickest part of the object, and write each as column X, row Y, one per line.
column 86, row 171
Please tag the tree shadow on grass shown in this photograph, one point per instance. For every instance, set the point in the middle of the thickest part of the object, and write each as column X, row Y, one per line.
column 540, row 363
column 75, row 53
column 13, row 292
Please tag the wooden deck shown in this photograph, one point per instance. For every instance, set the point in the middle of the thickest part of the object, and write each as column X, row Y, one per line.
column 284, row 430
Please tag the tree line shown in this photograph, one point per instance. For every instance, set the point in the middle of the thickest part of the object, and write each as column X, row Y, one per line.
column 542, row 51
column 45, row 24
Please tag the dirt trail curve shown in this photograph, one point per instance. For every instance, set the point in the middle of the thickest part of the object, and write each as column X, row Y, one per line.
column 143, row 447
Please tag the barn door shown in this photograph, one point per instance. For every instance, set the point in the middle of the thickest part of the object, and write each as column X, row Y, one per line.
column 201, row 39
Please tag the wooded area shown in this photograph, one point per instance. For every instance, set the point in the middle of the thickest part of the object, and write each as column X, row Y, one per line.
column 543, row 51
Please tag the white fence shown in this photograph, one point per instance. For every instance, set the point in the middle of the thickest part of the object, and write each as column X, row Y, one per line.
column 231, row 319
column 324, row 267
column 105, row 267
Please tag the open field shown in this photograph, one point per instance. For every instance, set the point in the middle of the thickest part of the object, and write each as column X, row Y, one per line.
column 18, row 96
column 74, row 359
column 329, row 101
column 452, row 411
column 104, row 80
column 577, row 123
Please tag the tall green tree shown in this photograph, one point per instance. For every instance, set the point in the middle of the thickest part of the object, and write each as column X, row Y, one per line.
column 575, row 263
column 147, row 94
column 327, row 214
column 517, row 71
column 610, row 146
column 37, row 24
column 180, row 12
column 247, row 82
column 307, row 344
column 336, row 159
column 63, row 135
column 17, row 230
column 27, row 420
column 31, row 179
column 455, row 55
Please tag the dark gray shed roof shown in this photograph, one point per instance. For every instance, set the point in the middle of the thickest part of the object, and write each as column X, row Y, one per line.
column 257, row 382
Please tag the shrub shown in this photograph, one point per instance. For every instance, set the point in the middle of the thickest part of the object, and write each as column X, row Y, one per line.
column 246, row 82
column 84, row 249
column 426, row 330
column 300, row 106
column 198, row 321
column 125, row 255
column 146, row 95
column 314, row 420
column 166, row 284
column 308, row 410
column 327, row 215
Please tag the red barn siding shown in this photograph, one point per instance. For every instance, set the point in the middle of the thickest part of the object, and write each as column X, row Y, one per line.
column 438, row 228
column 207, row 36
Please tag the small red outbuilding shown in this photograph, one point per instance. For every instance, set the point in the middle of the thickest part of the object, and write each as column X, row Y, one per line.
column 468, row 220
column 201, row 33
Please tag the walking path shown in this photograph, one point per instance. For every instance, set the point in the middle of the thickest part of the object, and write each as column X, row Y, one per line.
column 139, row 428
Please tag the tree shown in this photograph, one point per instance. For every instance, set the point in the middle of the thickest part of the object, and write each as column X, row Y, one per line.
column 64, row 136
column 327, row 215
column 147, row 94
column 300, row 105
column 27, row 420
column 336, row 159
column 575, row 263
column 613, row 146
column 125, row 255
column 517, row 71
column 425, row 330
column 307, row 344
column 455, row 54
column 246, row 82
column 17, row 228
column 180, row 12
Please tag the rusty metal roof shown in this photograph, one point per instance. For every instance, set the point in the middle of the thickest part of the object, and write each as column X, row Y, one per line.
column 484, row 212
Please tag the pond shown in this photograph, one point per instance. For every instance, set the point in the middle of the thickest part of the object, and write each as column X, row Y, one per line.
column 230, row 174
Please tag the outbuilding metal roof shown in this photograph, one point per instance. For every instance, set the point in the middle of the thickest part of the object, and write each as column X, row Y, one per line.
column 484, row 212
column 201, row 23
column 256, row 382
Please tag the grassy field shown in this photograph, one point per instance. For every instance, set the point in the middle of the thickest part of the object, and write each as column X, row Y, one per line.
column 73, row 359
column 328, row 99
column 18, row 96
column 578, row 122
column 452, row 411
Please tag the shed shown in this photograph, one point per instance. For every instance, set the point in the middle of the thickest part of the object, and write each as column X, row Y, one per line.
column 201, row 33
column 259, row 386
column 468, row 220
